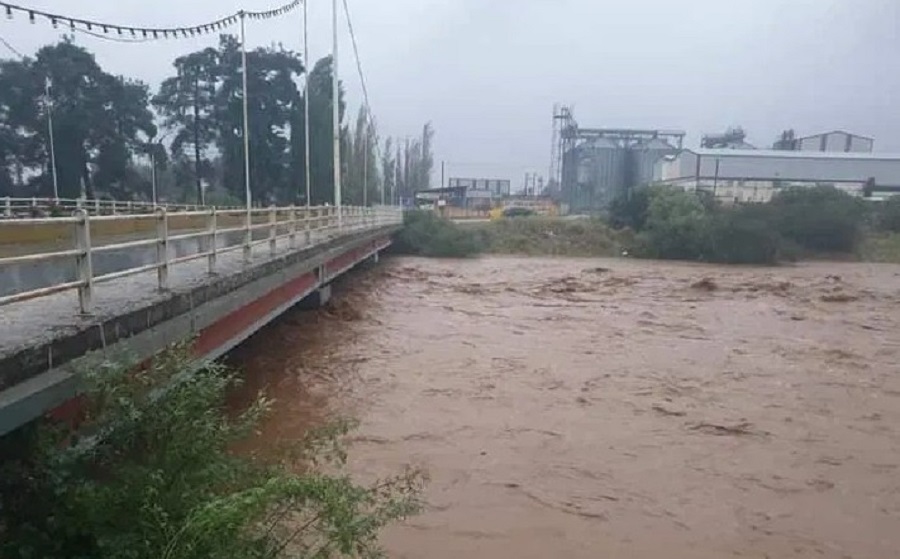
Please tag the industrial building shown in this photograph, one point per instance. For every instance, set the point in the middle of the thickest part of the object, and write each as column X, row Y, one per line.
column 593, row 166
column 497, row 187
column 474, row 194
column 836, row 141
column 733, row 175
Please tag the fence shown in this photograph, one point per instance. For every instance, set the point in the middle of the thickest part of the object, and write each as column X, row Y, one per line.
column 295, row 224
column 44, row 207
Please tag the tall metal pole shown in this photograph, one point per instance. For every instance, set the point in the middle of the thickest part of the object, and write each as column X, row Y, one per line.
column 153, row 172
column 306, row 102
column 50, row 127
column 335, row 110
column 366, row 163
column 247, row 194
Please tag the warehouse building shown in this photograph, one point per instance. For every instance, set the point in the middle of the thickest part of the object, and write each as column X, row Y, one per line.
column 836, row 141
column 733, row 175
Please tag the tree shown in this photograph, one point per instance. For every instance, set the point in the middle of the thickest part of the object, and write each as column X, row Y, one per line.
column 203, row 105
column 99, row 122
column 187, row 104
column 388, row 170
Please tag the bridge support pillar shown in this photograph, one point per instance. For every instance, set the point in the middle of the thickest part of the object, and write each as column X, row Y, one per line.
column 316, row 299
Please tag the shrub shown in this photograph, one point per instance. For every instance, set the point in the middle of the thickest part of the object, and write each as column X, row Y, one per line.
column 147, row 474
column 630, row 209
column 678, row 226
column 426, row 234
column 742, row 236
column 822, row 218
column 888, row 215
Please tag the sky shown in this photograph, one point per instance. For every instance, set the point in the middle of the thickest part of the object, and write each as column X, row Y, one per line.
column 486, row 73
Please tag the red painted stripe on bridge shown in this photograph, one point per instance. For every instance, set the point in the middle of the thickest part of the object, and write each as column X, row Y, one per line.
column 232, row 325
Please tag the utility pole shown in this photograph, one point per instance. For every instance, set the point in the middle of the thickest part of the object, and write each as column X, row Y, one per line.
column 306, row 103
column 153, row 172
column 49, row 101
column 200, row 194
column 248, row 196
column 335, row 113
column 442, row 174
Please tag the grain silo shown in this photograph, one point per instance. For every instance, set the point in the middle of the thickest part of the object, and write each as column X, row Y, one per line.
column 643, row 156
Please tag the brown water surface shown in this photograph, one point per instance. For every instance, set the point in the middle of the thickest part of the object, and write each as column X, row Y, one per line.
column 610, row 408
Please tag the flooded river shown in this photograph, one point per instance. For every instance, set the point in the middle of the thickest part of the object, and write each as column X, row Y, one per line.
column 610, row 408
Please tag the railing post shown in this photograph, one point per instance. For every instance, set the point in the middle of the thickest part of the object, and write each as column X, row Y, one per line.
column 7, row 207
column 212, row 228
column 130, row 208
column 273, row 230
column 96, row 206
column 114, row 207
column 83, row 267
column 162, row 248
column 307, row 218
column 292, row 235
column 248, row 236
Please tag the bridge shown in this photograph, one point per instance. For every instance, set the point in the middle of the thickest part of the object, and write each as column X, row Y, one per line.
column 76, row 290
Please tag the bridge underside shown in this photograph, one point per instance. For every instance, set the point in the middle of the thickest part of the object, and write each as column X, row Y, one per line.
column 49, row 342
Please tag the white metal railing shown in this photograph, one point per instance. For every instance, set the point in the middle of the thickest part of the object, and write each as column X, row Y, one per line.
column 300, row 226
column 42, row 207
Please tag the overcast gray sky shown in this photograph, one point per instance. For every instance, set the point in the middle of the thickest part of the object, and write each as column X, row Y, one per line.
column 487, row 72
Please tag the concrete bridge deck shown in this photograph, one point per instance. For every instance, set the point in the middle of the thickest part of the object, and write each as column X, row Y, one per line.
column 44, row 342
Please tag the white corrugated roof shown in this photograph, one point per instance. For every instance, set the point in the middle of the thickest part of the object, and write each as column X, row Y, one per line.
column 778, row 154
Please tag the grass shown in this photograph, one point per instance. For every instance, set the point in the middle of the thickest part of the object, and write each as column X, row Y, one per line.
column 537, row 236
column 880, row 247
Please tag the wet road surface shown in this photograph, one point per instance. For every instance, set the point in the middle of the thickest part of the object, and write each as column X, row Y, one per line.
column 610, row 408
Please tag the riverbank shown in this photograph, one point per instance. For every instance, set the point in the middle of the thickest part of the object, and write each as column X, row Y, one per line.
column 594, row 237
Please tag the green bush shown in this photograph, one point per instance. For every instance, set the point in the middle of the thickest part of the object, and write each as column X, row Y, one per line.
column 426, row 234
column 888, row 215
column 678, row 226
column 820, row 219
column 630, row 210
column 148, row 474
column 742, row 236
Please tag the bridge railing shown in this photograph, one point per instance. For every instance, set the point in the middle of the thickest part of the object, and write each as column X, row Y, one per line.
column 11, row 208
column 213, row 229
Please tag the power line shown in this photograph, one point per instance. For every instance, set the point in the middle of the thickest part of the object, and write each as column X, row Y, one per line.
column 113, row 38
column 11, row 48
column 365, row 90
column 129, row 33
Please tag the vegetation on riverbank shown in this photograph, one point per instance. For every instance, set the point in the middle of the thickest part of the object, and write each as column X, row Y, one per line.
column 427, row 234
column 671, row 224
column 797, row 223
column 147, row 473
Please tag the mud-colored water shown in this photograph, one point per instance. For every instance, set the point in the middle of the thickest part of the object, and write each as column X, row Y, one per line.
column 611, row 408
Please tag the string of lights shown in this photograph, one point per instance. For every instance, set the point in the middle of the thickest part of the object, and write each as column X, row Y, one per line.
column 128, row 33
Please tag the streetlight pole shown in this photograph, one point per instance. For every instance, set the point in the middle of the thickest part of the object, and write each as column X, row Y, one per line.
column 247, row 194
column 153, row 172
column 335, row 114
column 49, row 102
column 306, row 104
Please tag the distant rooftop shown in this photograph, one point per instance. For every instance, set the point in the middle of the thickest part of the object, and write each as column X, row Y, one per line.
column 779, row 154
column 836, row 132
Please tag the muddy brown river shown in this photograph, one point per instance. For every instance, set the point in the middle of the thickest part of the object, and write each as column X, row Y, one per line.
column 587, row 408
